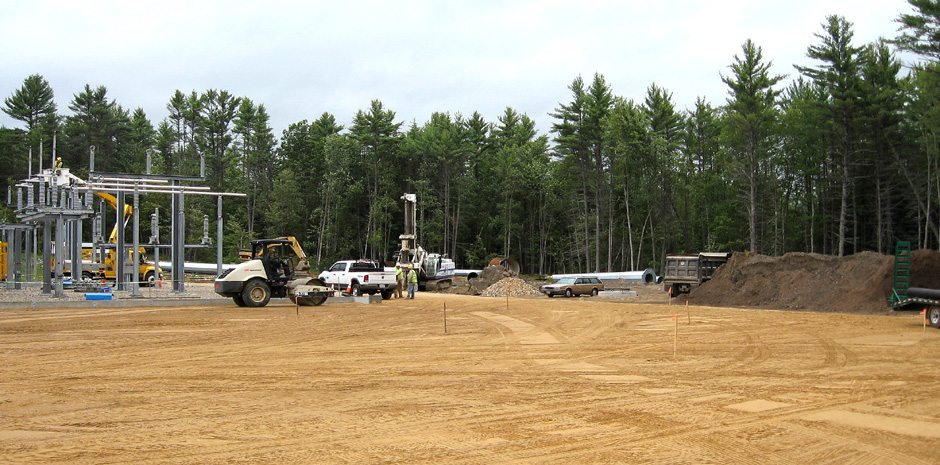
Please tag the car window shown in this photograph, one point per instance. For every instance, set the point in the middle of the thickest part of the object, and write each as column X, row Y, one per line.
column 565, row 281
column 365, row 266
column 338, row 267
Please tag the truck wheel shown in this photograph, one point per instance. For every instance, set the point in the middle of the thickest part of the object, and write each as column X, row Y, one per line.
column 933, row 316
column 550, row 295
column 568, row 292
column 355, row 289
column 386, row 295
column 149, row 280
column 86, row 276
column 256, row 293
column 238, row 300
column 594, row 292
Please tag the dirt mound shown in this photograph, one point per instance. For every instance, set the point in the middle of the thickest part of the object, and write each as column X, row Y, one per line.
column 515, row 287
column 488, row 277
column 856, row 283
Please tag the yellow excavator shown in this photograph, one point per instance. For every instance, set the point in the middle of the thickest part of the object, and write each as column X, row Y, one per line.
column 3, row 261
column 147, row 271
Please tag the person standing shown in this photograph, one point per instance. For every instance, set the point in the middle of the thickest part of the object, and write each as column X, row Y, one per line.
column 412, row 282
column 399, row 280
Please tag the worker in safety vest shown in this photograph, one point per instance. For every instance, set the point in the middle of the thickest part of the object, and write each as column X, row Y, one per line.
column 399, row 281
column 412, row 282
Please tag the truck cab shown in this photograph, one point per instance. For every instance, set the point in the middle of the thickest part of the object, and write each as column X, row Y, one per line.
column 360, row 277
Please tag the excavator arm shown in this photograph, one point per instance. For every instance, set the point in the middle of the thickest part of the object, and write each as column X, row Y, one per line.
column 128, row 211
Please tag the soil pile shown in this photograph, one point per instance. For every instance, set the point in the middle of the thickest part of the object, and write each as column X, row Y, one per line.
column 515, row 287
column 488, row 277
column 856, row 283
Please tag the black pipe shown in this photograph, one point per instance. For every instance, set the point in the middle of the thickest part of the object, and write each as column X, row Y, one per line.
column 923, row 293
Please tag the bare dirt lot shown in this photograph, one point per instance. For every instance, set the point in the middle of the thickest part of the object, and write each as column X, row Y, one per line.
column 570, row 381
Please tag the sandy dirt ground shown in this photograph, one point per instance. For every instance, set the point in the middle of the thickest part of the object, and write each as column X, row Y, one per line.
column 568, row 381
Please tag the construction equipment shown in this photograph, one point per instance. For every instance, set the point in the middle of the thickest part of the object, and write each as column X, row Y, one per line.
column 302, row 263
column 921, row 298
column 682, row 273
column 435, row 271
column 3, row 261
column 272, row 271
column 901, row 279
column 147, row 271
column 106, row 267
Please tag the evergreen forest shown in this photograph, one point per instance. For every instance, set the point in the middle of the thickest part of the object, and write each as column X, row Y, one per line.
column 838, row 157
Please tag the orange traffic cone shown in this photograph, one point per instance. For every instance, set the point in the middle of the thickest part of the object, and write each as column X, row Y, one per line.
column 349, row 290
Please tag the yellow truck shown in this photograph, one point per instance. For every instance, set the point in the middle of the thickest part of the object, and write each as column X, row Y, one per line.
column 3, row 261
column 147, row 271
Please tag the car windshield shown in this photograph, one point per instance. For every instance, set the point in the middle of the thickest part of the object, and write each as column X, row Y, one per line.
column 565, row 281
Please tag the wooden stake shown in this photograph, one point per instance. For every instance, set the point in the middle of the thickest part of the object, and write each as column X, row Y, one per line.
column 687, row 312
column 445, row 317
column 675, row 341
column 297, row 304
column 924, row 312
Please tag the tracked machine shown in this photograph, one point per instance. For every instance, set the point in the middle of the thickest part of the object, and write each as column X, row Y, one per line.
column 435, row 271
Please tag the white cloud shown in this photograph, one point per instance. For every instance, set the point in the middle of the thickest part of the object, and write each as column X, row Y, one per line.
column 303, row 58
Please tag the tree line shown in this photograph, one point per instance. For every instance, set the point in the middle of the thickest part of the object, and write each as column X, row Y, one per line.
column 843, row 158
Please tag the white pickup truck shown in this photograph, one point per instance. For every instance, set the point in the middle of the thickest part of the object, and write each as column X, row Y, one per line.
column 360, row 277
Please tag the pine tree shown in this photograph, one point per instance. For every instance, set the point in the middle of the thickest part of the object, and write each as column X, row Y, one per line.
column 921, row 30
column 839, row 75
column 751, row 115
column 34, row 104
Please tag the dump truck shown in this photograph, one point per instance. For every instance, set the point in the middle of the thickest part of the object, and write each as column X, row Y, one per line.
column 682, row 273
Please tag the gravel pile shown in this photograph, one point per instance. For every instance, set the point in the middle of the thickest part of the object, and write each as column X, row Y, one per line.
column 488, row 277
column 514, row 286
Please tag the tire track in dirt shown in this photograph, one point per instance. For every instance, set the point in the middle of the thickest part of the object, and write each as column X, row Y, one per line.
column 755, row 350
column 384, row 384
column 839, row 442
column 836, row 355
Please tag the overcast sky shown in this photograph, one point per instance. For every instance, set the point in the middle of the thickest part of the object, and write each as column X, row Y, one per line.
column 303, row 58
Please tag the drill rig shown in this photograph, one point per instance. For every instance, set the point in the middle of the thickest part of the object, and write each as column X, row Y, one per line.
column 435, row 271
